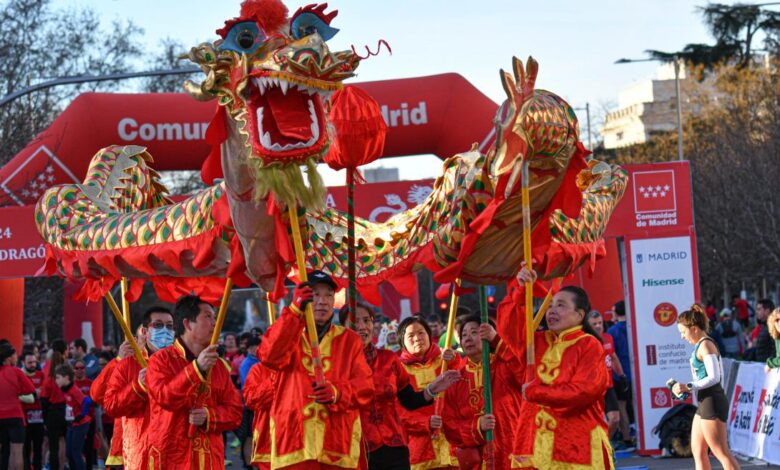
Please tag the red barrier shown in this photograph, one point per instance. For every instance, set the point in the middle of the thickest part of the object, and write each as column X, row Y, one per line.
column 12, row 293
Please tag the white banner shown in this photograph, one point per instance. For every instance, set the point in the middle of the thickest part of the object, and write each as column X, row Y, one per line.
column 662, row 286
column 754, row 418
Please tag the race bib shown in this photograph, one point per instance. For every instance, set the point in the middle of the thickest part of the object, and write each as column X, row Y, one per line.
column 34, row 416
column 68, row 413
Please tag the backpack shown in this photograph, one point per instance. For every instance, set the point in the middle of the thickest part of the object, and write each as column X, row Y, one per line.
column 674, row 430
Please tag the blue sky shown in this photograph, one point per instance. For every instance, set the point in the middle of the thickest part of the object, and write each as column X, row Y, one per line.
column 575, row 42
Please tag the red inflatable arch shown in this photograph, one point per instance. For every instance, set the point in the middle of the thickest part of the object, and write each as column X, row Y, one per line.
column 440, row 115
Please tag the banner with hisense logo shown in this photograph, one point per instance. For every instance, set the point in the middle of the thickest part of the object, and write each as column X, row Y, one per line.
column 661, row 273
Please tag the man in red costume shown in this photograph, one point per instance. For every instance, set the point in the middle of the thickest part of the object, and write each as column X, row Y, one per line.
column 192, row 400
column 98, row 391
column 126, row 395
column 315, row 426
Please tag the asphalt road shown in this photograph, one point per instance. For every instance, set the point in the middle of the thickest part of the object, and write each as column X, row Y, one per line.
column 648, row 463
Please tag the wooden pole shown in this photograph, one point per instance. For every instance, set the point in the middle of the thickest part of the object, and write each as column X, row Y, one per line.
column 223, row 305
column 543, row 309
column 529, row 294
column 125, row 302
column 311, row 327
column 125, row 329
column 271, row 311
column 486, row 385
column 448, row 338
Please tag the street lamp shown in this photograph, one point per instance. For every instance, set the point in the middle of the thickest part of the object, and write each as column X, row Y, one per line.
column 93, row 78
column 676, row 61
column 587, row 117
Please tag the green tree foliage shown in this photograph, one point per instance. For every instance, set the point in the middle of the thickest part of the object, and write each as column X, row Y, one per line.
column 41, row 43
column 736, row 29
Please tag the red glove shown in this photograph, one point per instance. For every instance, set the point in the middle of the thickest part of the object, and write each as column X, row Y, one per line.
column 325, row 393
column 302, row 295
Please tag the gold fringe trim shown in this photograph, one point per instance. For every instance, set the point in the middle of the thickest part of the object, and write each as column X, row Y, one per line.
column 287, row 184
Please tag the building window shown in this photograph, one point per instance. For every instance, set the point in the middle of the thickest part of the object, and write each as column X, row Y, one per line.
column 619, row 136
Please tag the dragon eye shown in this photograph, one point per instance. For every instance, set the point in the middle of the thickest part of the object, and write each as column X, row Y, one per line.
column 305, row 24
column 244, row 37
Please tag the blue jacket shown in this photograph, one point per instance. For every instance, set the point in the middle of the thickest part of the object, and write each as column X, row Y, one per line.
column 619, row 332
column 246, row 365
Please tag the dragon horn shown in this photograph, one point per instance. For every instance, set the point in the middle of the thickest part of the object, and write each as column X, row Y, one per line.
column 509, row 85
column 517, row 67
column 531, row 70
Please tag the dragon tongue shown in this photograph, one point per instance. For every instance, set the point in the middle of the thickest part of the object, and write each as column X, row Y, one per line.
column 290, row 113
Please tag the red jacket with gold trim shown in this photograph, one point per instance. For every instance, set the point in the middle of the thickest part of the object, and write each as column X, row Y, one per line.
column 258, row 396
column 381, row 423
column 464, row 404
column 176, row 386
column 125, row 397
column 97, row 392
column 426, row 449
column 561, row 423
column 302, row 430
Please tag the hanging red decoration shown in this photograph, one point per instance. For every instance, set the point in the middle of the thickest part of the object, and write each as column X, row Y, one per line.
column 360, row 129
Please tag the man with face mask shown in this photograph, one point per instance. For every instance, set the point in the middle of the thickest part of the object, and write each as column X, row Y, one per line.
column 126, row 396
column 191, row 396
column 315, row 426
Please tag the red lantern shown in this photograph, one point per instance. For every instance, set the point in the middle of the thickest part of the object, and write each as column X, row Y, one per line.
column 360, row 139
column 360, row 129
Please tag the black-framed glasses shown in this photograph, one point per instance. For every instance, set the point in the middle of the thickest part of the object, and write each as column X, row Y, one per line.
column 158, row 324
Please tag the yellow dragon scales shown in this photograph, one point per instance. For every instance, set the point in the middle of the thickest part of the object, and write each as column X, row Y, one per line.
column 272, row 77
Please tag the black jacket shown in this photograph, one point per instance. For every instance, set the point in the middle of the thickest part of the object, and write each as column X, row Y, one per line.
column 765, row 345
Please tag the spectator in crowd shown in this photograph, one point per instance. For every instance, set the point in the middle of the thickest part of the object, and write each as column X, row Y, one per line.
column 730, row 333
column 78, row 351
column 774, row 332
column 251, row 358
column 619, row 333
column 611, row 406
column 437, row 327
column 83, row 382
column 764, row 344
column 76, row 414
column 35, row 432
column 14, row 386
column 231, row 346
column 53, row 402
column 708, row 431
column 742, row 308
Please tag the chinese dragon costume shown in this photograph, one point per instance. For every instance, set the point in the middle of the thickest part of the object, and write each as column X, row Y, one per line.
column 271, row 76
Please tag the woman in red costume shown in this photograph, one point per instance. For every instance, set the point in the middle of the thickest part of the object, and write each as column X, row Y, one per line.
column 561, row 423
column 465, row 421
column 428, row 448
column 383, row 431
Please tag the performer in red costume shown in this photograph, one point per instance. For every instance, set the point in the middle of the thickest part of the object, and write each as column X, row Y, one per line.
column 561, row 423
column 464, row 418
column 428, row 448
column 192, row 399
column 126, row 395
column 97, row 392
column 383, row 431
column 315, row 427
column 258, row 396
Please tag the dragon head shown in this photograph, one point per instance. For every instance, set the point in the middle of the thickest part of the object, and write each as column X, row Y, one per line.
column 274, row 76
